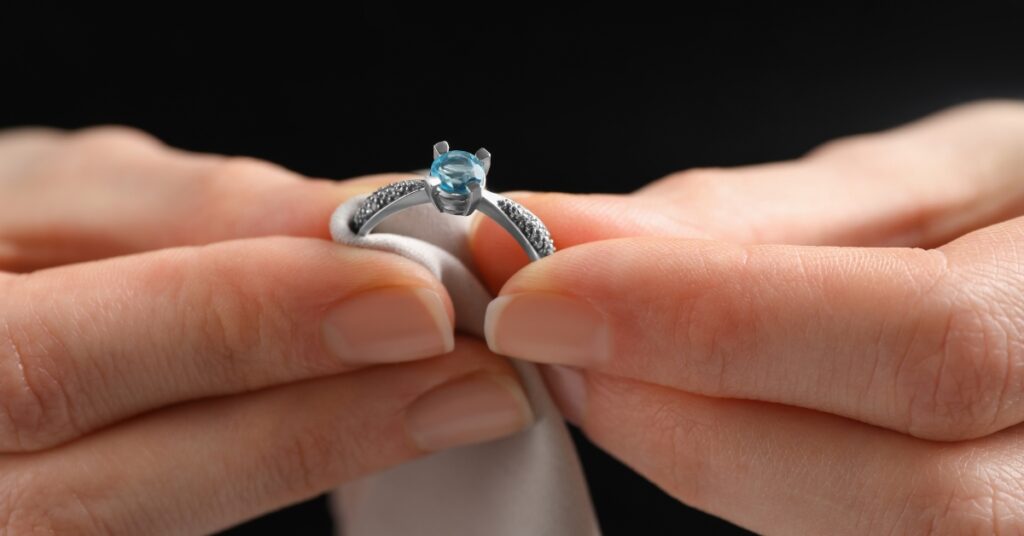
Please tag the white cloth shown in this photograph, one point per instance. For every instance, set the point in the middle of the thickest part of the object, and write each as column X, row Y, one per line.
column 527, row 484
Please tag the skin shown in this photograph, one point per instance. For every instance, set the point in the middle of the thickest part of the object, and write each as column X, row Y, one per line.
column 833, row 344
column 830, row 344
column 160, row 367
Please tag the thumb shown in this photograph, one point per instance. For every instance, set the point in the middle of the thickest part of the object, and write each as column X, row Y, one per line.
column 573, row 219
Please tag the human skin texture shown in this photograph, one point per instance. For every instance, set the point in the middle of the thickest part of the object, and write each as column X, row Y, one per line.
column 182, row 347
column 833, row 344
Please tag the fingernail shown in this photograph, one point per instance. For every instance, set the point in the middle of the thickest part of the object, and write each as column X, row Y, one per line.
column 548, row 328
column 388, row 325
column 568, row 389
column 476, row 408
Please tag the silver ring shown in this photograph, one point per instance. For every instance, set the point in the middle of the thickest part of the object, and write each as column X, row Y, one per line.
column 456, row 185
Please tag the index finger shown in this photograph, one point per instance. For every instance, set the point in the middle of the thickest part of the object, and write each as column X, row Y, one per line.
column 925, row 342
column 107, row 191
column 86, row 345
column 920, row 185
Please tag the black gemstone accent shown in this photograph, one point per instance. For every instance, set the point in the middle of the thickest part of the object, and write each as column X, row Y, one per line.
column 382, row 197
column 530, row 225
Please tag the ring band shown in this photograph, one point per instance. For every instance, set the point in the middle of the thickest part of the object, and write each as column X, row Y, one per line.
column 456, row 185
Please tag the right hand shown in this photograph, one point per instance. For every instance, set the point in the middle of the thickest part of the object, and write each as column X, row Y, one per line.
column 738, row 336
column 168, row 366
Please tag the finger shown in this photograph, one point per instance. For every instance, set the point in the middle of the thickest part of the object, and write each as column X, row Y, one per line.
column 108, row 191
column 918, row 185
column 921, row 184
column 572, row 219
column 923, row 342
column 86, row 345
column 203, row 466
column 23, row 147
column 781, row 470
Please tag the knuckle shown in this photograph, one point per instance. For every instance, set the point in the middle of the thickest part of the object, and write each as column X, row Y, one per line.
column 704, row 183
column 847, row 147
column 714, row 330
column 110, row 139
column 216, row 186
column 995, row 108
column 220, row 320
column 931, row 512
column 84, row 151
column 710, row 187
column 961, row 495
column 708, row 332
column 234, row 315
column 229, row 171
column 29, row 507
column 308, row 461
column 689, row 447
column 684, row 450
column 313, row 455
column 958, row 388
column 92, row 153
column 21, row 515
column 35, row 410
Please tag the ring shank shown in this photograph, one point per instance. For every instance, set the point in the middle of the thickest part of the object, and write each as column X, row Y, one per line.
column 531, row 234
column 418, row 197
column 527, row 229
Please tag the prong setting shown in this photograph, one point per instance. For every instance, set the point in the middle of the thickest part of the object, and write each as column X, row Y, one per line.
column 455, row 204
column 440, row 148
column 467, row 174
column 476, row 192
column 485, row 158
column 456, row 185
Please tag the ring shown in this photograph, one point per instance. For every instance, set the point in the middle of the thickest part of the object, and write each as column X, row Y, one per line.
column 456, row 185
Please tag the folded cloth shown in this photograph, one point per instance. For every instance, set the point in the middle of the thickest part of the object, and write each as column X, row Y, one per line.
column 527, row 484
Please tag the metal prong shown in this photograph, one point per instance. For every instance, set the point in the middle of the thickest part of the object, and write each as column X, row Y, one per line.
column 485, row 158
column 440, row 148
column 475, row 193
column 433, row 191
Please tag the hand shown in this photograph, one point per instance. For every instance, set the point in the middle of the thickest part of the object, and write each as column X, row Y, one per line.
column 740, row 337
column 197, row 371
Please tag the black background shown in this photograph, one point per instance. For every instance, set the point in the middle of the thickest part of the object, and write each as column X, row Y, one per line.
column 562, row 106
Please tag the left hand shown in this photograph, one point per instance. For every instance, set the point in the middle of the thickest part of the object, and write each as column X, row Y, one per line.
column 739, row 336
column 182, row 349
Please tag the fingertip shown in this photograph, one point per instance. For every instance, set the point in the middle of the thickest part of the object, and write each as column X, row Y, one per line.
column 388, row 325
column 572, row 219
column 568, row 389
column 491, row 317
column 472, row 409
column 495, row 253
column 307, row 272
column 498, row 256
column 385, row 268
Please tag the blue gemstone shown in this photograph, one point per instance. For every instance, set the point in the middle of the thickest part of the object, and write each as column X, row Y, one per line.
column 456, row 169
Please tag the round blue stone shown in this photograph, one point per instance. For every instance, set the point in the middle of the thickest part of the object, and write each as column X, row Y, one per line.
column 456, row 169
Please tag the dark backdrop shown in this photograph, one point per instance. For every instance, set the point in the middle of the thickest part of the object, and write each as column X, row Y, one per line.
column 562, row 107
